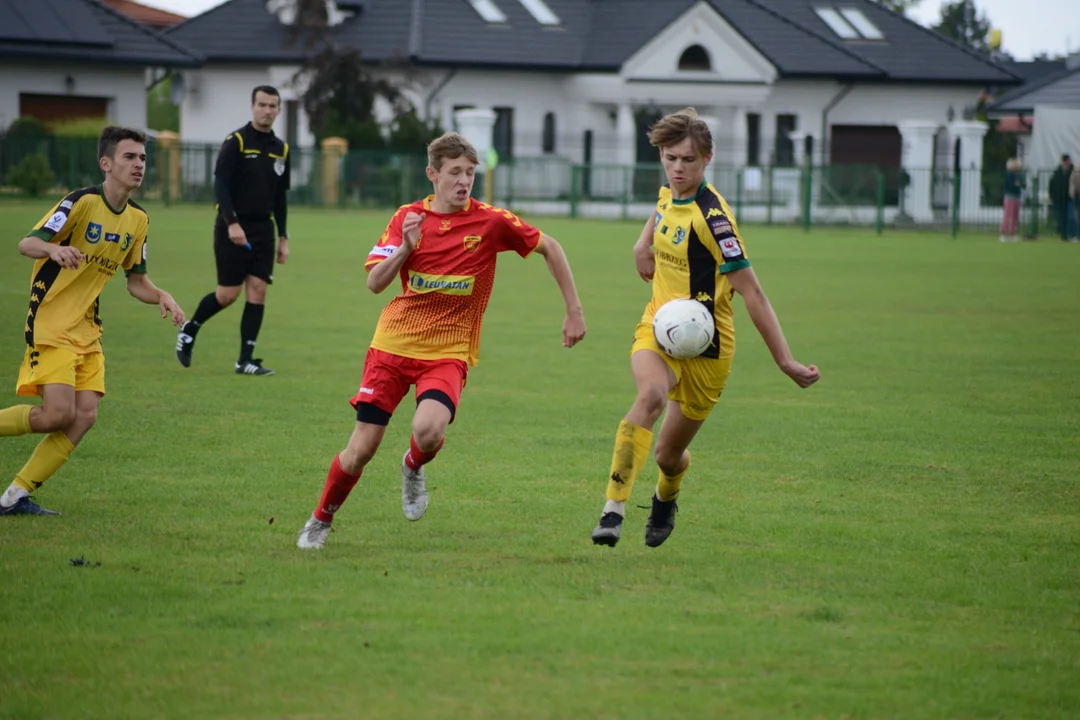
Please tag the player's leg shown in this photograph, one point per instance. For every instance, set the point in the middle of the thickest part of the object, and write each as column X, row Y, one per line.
column 231, row 264
column 654, row 378
column 673, row 458
column 250, row 324
column 56, row 412
column 438, row 393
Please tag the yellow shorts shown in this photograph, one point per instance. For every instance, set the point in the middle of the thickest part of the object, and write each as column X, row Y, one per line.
column 44, row 365
column 698, row 381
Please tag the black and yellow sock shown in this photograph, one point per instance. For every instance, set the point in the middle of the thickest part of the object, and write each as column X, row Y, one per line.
column 667, row 488
column 15, row 420
column 50, row 454
column 632, row 444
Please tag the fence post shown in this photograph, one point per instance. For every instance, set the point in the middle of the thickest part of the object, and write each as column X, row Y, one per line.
column 509, row 183
column 769, row 198
column 738, row 193
column 956, row 203
column 168, row 164
column 807, row 175
column 333, row 149
column 575, row 174
column 880, row 202
column 1033, row 203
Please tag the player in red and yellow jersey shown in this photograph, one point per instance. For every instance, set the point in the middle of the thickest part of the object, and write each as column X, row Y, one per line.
column 690, row 248
column 79, row 246
column 442, row 250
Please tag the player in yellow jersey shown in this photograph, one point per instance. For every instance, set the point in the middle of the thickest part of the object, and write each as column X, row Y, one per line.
column 690, row 248
column 79, row 245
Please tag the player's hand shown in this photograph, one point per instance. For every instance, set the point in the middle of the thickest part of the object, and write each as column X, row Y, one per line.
column 282, row 250
column 168, row 306
column 410, row 230
column 803, row 375
column 237, row 234
column 573, row 329
column 645, row 261
column 66, row 256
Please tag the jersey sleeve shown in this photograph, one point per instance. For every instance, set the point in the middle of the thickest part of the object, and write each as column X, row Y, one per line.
column 228, row 157
column 135, row 260
column 516, row 234
column 63, row 216
column 390, row 240
column 724, row 231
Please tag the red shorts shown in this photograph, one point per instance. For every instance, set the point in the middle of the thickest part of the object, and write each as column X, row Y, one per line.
column 387, row 378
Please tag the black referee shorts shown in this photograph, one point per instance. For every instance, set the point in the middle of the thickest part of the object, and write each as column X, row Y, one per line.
column 236, row 262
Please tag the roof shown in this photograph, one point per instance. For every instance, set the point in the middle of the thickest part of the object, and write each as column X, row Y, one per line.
column 599, row 36
column 1061, row 89
column 85, row 31
column 155, row 18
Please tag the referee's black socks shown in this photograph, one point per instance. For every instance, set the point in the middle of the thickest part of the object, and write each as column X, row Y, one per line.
column 250, row 323
column 208, row 308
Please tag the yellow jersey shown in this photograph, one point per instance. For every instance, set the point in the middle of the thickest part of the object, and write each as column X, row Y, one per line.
column 64, row 303
column 696, row 243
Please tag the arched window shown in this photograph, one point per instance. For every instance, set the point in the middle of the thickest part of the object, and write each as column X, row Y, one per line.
column 695, row 57
column 549, row 133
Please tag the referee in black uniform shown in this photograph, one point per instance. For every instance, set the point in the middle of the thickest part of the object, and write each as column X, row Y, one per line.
column 250, row 181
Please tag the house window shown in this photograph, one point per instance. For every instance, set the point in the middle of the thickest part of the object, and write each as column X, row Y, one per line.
column 488, row 10
column 849, row 24
column 541, row 12
column 785, row 148
column 503, row 132
column 753, row 139
column 549, row 133
column 695, row 57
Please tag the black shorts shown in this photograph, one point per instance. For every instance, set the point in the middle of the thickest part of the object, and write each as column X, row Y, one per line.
column 236, row 262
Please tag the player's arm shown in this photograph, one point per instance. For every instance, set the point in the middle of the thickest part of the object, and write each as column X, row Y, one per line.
column 281, row 209
column 227, row 160
column 644, row 257
column 761, row 312
column 559, row 267
column 383, row 272
column 40, row 243
column 140, row 288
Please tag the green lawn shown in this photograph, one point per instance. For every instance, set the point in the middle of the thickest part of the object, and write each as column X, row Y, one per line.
column 900, row 540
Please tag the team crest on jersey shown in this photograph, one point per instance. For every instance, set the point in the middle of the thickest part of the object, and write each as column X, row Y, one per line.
column 128, row 239
column 93, row 233
column 279, row 166
column 680, row 235
column 472, row 242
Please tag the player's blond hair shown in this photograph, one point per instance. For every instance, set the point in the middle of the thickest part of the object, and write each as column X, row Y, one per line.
column 674, row 128
column 450, row 146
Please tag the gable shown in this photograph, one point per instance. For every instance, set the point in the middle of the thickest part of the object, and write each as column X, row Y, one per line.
column 730, row 57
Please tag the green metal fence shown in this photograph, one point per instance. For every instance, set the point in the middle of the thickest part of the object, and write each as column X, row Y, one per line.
column 806, row 197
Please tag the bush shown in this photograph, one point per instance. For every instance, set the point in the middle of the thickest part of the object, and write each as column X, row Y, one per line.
column 80, row 128
column 33, row 175
column 27, row 127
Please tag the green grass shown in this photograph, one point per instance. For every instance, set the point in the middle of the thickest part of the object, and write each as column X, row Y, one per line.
column 900, row 540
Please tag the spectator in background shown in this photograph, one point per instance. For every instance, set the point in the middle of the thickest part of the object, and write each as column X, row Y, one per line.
column 1014, row 188
column 1074, row 200
column 1064, row 206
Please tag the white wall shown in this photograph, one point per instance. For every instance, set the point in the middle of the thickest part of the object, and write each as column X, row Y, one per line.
column 125, row 88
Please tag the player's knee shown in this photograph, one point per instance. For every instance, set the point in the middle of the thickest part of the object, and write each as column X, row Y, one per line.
column 668, row 458
column 256, row 293
column 651, row 400
column 428, row 437
column 55, row 417
column 356, row 456
column 86, row 417
column 227, row 296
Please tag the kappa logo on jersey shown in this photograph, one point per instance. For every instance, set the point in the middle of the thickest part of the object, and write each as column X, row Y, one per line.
column 703, row 297
column 128, row 239
column 680, row 235
column 714, row 212
column 93, row 233
column 56, row 221
column 730, row 248
column 446, row 284
column 472, row 242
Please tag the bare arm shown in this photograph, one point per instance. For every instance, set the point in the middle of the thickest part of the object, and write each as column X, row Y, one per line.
column 63, row 255
column 559, row 267
column 761, row 312
column 140, row 288
column 644, row 258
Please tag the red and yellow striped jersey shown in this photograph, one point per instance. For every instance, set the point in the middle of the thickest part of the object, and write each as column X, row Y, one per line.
column 447, row 280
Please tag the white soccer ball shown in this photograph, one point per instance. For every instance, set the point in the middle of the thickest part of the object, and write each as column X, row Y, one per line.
column 683, row 328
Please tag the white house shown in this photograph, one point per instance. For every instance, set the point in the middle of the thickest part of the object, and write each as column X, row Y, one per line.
column 833, row 81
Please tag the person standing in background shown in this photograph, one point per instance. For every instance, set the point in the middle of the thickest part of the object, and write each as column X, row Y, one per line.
column 1014, row 188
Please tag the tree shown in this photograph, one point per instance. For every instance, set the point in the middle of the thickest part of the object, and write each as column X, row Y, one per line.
column 900, row 6
column 962, row 21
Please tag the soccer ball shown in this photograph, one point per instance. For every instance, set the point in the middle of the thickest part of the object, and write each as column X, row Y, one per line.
column 683, row 328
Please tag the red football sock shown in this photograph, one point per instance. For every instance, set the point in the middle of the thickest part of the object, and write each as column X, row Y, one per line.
column 417, row 458
column 338, row 486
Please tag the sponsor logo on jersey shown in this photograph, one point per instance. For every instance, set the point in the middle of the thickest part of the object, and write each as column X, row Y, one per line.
column 56, row 221
column 112, row 237
column 446, row 284
column 128, row 239
column 279, row 166
column 383, row 250
column 730, row 248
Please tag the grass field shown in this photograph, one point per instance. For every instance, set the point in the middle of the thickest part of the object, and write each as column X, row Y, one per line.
column 899, row 541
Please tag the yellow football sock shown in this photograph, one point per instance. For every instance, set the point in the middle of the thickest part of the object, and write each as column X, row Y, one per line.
column 52, row 452
column 667, row 488
column 15, row 420
column 632, row 443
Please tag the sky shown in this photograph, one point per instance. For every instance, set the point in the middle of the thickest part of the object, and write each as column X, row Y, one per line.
column 1028, row 26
